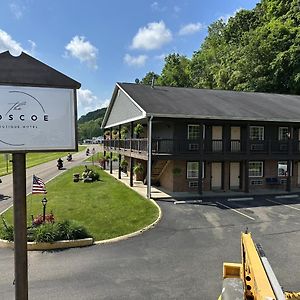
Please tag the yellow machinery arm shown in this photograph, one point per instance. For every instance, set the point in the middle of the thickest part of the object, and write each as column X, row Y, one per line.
column 253, row 279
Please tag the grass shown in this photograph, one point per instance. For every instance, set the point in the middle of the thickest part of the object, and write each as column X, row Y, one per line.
column 32, row 159
column 106, row 208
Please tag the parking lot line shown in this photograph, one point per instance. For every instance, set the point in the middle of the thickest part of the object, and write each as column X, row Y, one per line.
column 240, row 199
column 235, row 210
column 292, row 207
column 286, row 196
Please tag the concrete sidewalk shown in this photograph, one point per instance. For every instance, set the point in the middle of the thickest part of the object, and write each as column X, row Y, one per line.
column 158, row 193
column 140, row 187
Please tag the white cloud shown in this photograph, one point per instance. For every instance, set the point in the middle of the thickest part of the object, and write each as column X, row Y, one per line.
column 16, row 10
column 33, row 46
column 87, row 102
column 83, row 50
column 191, row 28
column 151, row 37
column 155, row 6
column 226, row 18
column 137, row 61
column 7, row 43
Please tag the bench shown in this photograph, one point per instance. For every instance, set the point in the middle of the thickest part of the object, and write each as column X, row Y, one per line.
column 272, row 180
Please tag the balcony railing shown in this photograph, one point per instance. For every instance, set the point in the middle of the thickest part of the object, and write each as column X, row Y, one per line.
column 174, row 146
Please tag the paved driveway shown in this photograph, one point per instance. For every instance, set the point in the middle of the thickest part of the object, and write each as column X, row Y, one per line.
column 179, row 259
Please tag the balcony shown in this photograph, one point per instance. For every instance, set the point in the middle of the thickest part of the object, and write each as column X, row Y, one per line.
column 177, row 147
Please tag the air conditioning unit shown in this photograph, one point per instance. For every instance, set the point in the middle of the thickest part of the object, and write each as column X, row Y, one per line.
column 283, row 147
column 257, row 147
column 193, row 147
column 193, row 184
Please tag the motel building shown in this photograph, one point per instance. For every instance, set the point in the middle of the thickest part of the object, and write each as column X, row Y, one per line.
column 200, row 140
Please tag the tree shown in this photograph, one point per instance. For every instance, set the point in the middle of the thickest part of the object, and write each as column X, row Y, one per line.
column 149, row 77
column 175, row 71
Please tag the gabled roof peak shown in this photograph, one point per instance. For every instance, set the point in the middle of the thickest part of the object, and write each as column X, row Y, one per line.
column 28, row 71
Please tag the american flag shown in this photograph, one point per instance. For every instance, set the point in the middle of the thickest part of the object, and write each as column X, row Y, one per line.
column 38, row 186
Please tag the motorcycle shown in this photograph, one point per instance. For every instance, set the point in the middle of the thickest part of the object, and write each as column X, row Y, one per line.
column 69, row 157
column 60, row 164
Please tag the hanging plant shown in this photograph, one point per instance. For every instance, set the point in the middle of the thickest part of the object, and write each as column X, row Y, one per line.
column 124, row 131
column 124, row 163
column 138, row 169
column 138, row 129
column 176, row 171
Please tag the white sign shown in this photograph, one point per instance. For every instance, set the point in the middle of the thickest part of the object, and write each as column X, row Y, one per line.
column 33, row 118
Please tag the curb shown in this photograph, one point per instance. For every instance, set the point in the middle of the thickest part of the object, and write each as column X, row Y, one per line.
column 133, row 234
column 34, row 246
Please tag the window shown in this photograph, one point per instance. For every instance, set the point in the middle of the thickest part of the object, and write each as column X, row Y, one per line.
column 257, row 133
column 282, row 168
column 193, row 132
column 192, row 169
column 283, row 133
column 256, row 168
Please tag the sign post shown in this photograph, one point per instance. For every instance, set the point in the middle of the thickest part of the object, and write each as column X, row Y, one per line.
column 38, row 112
column 20, row 225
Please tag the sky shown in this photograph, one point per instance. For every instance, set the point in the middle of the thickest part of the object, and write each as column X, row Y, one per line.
column 101, row 42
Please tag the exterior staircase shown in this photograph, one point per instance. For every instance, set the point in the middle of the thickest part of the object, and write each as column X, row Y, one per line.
column 158, row 168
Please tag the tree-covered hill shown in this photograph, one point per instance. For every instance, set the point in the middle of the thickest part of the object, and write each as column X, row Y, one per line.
column 93, row 115
column 256, row 50
column 89, row 125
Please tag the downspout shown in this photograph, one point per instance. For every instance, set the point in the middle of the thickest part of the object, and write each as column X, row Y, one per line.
column 149, row 162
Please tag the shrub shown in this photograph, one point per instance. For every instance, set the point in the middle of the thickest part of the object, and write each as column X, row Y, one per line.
column 67, row 230
column 49, row 232
column 44, row 233
column 6, row 231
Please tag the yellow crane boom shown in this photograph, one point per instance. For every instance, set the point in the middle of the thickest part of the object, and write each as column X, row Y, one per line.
column 253, row 278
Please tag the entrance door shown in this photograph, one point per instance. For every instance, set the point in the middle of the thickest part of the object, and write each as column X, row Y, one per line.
column 216, row 176
column 234, row 175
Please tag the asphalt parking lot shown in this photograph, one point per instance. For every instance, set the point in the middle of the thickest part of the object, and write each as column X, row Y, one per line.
column 181, row 258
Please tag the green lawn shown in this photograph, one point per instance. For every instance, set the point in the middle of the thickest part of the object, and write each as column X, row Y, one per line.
column 106, row 208
column 32, row 159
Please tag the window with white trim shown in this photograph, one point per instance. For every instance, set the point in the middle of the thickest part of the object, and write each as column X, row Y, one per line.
column 256, row 168
column 192, row 169
column 283, row 133
column 257, row 133
column 282, row 168
column 193, row 132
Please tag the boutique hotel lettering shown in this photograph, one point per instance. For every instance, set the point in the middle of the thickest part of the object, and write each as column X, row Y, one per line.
column 36, row 116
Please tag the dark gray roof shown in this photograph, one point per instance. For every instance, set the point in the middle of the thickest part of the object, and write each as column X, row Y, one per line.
column 28, row 71
column 213, row 104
